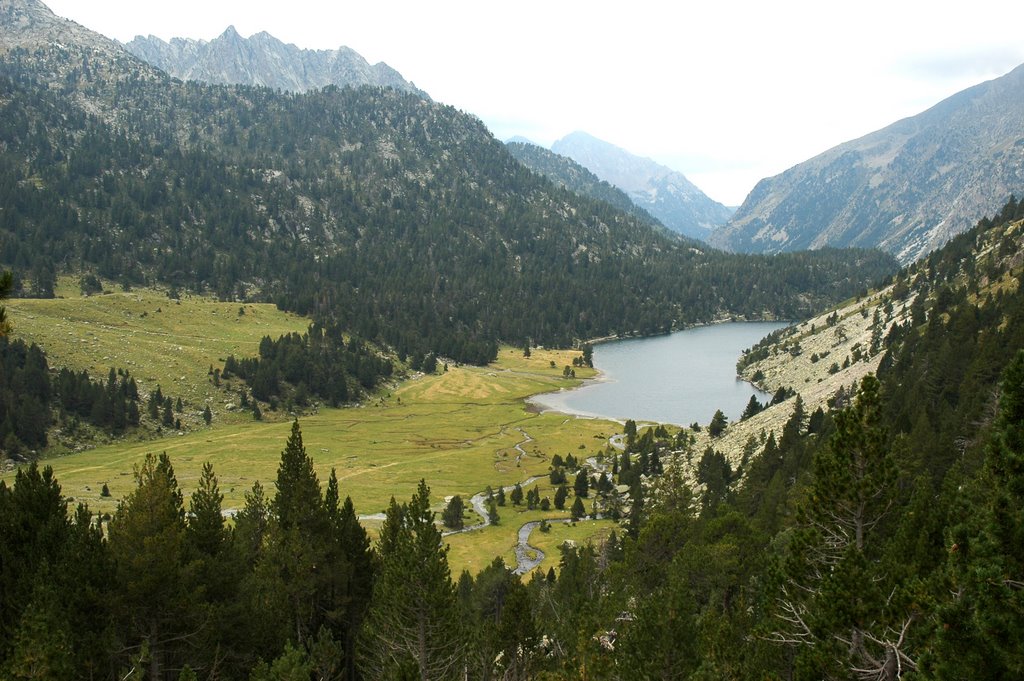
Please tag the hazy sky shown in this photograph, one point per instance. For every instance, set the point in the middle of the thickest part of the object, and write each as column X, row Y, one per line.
column 727, row 91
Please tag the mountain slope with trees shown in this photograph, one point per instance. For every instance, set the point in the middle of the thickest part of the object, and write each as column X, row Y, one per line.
column 563, row 171
column 399, row 219
column 880, row 540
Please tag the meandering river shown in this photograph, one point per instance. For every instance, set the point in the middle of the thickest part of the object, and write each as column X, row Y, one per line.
column 678, row 378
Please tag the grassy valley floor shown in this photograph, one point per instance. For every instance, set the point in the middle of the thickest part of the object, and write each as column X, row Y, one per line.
column 460, row 430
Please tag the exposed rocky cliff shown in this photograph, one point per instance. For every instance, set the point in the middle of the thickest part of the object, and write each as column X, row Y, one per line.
column 262, row 59
column 907, row 188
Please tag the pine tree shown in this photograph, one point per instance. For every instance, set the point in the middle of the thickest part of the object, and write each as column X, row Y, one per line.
column 578, row 511
column 33, row 533
column 560, row 496
column 581, row 485
column 301, row 556
column 41, row 645
column 358, row 591
column 983, row 624
column 6, row 285
column 452, row 516
column 211, row 575
column 500, row 612
column 147, row 543
column 839, row 604
column 718, row 424
column 413, row 626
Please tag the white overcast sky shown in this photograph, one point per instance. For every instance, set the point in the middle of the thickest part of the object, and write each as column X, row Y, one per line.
column 725, row 91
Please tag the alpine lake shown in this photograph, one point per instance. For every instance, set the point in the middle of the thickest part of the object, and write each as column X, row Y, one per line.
column 679, row 378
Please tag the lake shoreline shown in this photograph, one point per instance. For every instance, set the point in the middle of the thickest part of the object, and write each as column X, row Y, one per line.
column 645, row 384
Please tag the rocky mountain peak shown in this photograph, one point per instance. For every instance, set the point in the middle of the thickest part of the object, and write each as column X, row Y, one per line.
column 262, row 59
column 665, row 193
column 30, row 23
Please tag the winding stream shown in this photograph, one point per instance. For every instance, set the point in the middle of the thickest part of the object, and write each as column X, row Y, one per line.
column 527, row 556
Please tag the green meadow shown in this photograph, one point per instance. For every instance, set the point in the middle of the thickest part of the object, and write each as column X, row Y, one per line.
column 460, row 429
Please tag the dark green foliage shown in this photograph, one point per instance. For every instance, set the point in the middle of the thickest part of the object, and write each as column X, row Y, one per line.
column 502, row 622
column 839, row 603
column 147, row 544
column 581, row 485
column 90, row 284
column 715, row 474
column 319, row 362
column 452, row 516
column 413, row 622
column 560, row 496
column 517, row 495
column 981, row 626
column 446, row 236
column 753, row 408
column 577, row 511
column 112, row 406
column 718, row 424
column 25, row 396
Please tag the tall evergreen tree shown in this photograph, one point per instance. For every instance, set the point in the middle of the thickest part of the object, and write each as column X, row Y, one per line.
column 982, row 628
column 413, row 629
column 147, row 543
column 838, row 603
column 302, row 561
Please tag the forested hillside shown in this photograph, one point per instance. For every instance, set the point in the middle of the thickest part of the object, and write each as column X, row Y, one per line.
column 879, row 541
column 565, row 172
column 399, row 219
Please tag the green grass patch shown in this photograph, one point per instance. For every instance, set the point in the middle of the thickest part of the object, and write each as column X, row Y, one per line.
column 160, row 341
column 460, row 430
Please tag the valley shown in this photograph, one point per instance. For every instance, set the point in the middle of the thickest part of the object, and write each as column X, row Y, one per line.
column 266, row 361
column 458, row 429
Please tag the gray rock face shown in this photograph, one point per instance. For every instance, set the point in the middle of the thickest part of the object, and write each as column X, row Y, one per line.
column 907, row 188
column 31, row 24
column 262, row 59
column 664, row 193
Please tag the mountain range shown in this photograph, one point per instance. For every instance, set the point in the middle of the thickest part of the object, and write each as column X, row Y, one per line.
column 262, row 59
column 907, row 188
column 664, row 193
column 395, row 217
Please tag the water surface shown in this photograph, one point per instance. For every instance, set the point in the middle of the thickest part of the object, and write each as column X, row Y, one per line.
column 679, row 378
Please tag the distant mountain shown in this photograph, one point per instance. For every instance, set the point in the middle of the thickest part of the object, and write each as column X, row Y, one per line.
column 907, row 188
column 262, row 59
column 565, row 172
column 664, row 193
column 397, row 218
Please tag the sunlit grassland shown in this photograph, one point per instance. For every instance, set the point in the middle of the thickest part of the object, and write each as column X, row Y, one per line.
column 160, row 341
column 429, row 428
column 458, row 429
